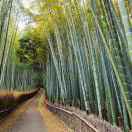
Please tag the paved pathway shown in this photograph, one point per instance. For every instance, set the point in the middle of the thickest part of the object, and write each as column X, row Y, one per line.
column 31, row 121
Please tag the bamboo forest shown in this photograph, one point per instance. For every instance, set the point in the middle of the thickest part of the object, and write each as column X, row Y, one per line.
column 65, row 65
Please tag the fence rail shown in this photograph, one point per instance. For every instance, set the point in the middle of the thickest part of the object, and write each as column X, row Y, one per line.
column 72, row 119
column 5, row 110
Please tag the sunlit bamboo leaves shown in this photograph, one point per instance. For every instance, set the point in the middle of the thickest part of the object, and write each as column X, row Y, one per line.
column 11, row 76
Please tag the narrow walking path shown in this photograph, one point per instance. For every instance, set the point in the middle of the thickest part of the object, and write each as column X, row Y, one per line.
column 30, row 121
column 33, row 116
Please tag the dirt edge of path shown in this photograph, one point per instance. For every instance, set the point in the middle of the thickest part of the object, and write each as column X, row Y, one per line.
column 12, row 118
column 52, row 122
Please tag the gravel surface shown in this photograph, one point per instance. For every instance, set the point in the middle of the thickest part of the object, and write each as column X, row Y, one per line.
column 30, row 121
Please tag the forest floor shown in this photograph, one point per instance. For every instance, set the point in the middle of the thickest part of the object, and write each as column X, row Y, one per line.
column 33, row 116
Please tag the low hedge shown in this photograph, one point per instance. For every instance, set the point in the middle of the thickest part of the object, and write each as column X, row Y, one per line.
column 9, row 101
